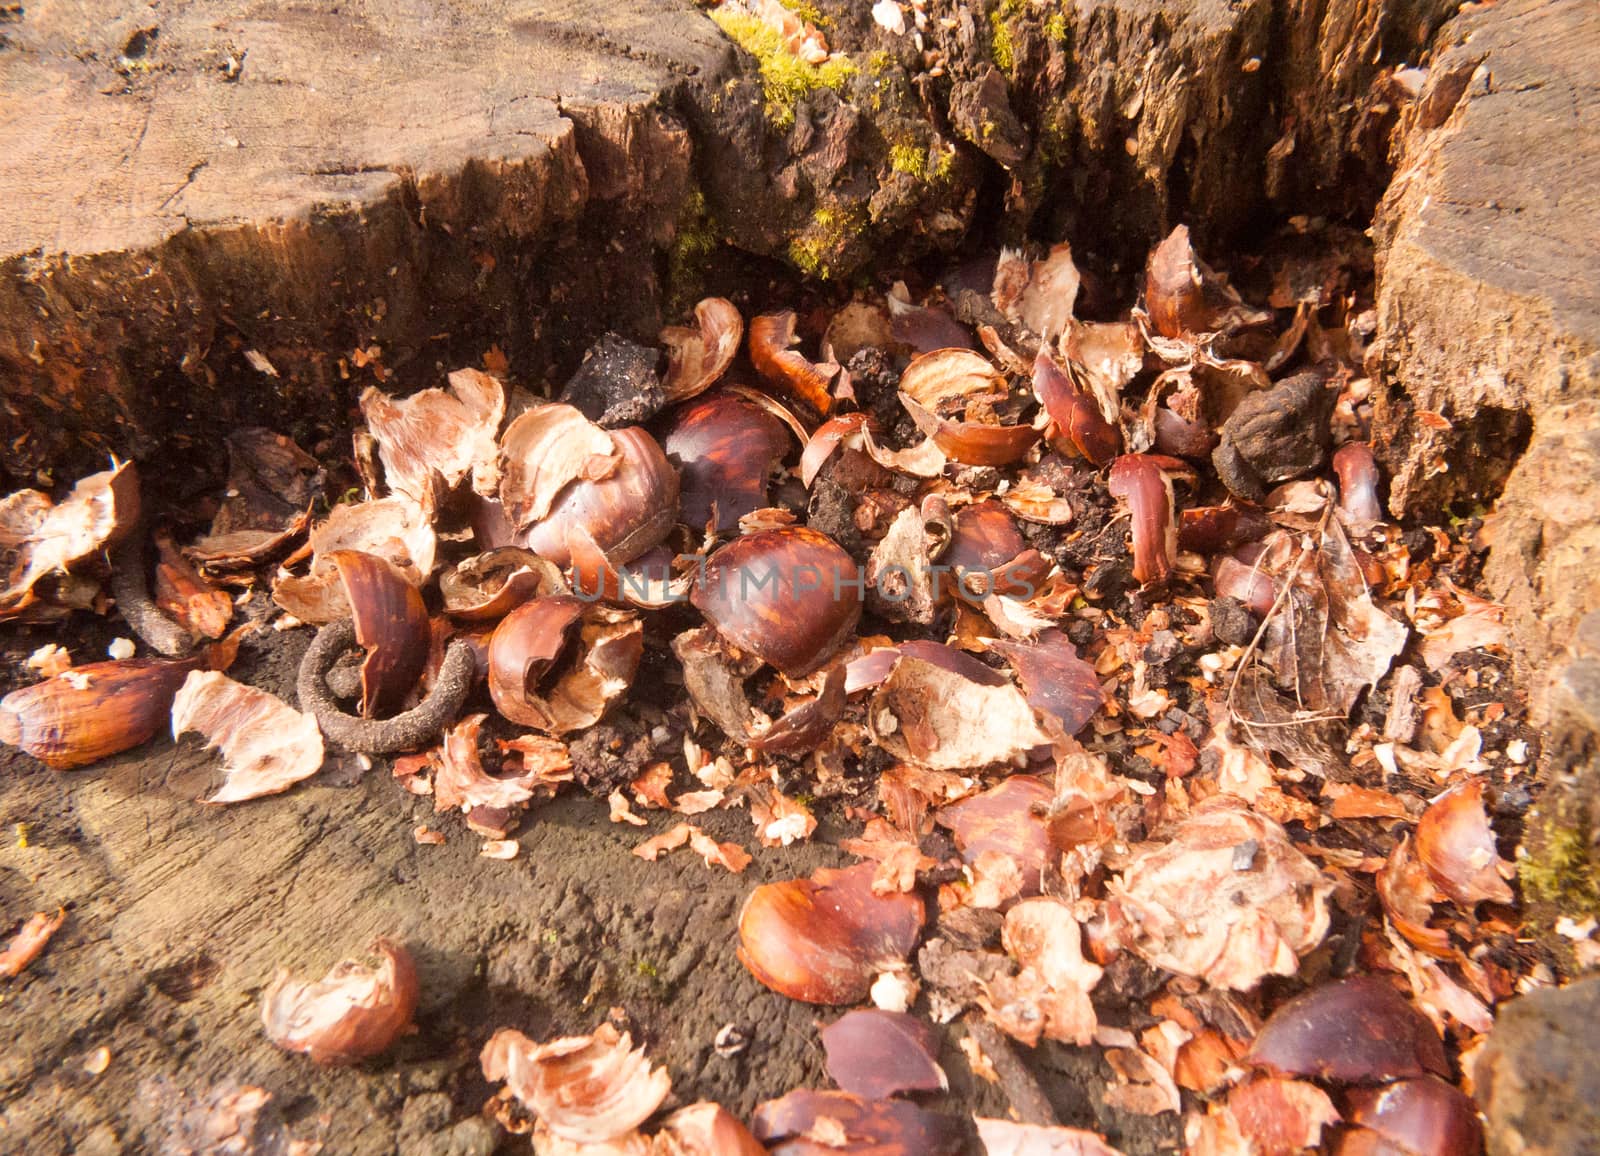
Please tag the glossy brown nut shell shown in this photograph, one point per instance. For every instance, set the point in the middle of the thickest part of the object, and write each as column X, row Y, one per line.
column 91, row 712
column 726, row 450
column 824, row 939
column 391, row 624
column 1358, row 1030
column 791, row 597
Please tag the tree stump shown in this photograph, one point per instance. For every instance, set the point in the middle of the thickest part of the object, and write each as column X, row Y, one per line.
column 1489, row 306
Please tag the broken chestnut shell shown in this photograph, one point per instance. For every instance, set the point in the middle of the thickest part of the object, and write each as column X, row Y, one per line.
column 534, row 641
column 988, row 555
column 1008, row 818
column 869, row 670
column 969, row 442
column 791, row 597
column 1184, row 298
column 1424, row 1117
column 1239, row 576
column 391, row 625
column 1208, row 529
column 1141, row 481
column 1056, row 681
column 627, row 511
column 488, row 586
column 697, row 357
column 585, row 1089
column 726, row 450
column 1456, row 844
column 90, row 712
column 810, row 1123
column 1358, row 483
column 771, row 335
column 1076, row 417
column 877, row 1054
column 351, row 1013
column 707, row 1129
column 1357, row 1030
column 824, row 939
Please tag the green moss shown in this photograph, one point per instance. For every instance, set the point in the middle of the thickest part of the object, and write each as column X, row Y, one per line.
column 1560, row 868
column 932, row 165
column 1000, row 48
column 1055, row 28
column 909, row 159
column 808, row 12
column 785, row 78
column 816, row 251
column 880, row 62
column 692, row 245
column 809, row 255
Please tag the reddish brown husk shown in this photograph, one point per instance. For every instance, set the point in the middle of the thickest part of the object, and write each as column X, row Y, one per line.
column 1009, row 818
column 1075, row 416
column 1357, row 1030
column 879, row 1127
column 627, row 511
column 726, row 450
column 91, row 712
column 696, row 358
column 350, row 1014
column 707, row 1129
column 1282, row 1116
column 824, row 939
column 1209, row 529
column 1185, row 299
column 488, row 586
column 876, row 1054
column 870, row 669
column 806, row 726
column 391, row 625
column 1424, row 1116
column 969, row 442
column 789, row 596
column 1055, row 679
column 606, row 647
column 987, row 555
column 771, row 335
column 1140, row 481
column 181, row 591
column 1457, row 846
column 1358, row 483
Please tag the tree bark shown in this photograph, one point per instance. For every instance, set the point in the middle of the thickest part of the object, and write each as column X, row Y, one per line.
column 1488, row 349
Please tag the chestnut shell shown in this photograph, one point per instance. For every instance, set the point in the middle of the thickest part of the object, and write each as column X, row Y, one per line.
column 790, row 597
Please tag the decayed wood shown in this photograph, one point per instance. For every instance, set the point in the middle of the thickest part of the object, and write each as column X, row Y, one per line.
column 1489, row 306
column 218, row 213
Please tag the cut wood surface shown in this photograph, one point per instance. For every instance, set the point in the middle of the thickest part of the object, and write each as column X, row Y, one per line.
column 186, row 183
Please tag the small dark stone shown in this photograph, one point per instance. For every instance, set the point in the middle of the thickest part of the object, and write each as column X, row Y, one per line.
column 1080, row 633
column 617, row 384
column 1275, row 435
column 832, row 511
column 1231, row 622
column 1164, row 647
